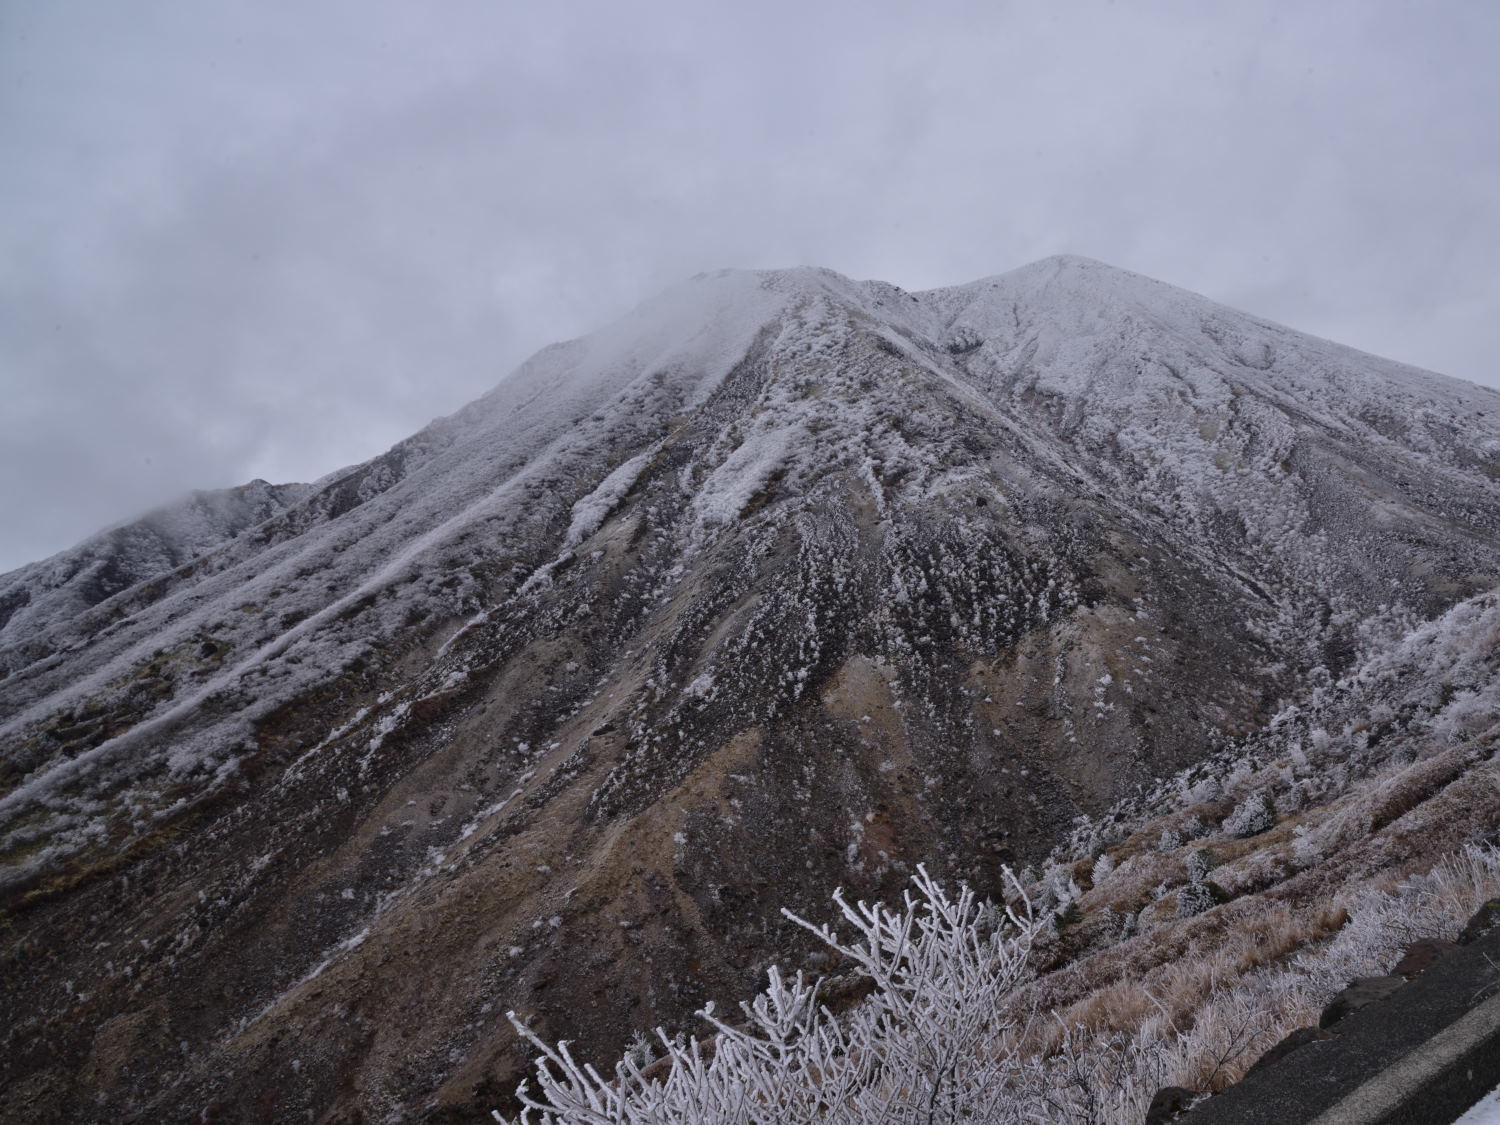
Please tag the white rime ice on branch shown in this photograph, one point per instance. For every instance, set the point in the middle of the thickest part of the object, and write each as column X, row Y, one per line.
column 929, row 1045
column 949, row 1034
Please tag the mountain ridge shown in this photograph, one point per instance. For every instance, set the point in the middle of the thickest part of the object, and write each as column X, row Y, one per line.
column 782, row 581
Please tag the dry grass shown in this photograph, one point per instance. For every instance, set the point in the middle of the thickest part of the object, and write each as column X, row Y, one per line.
column 1329, row 893
column 1366, row 856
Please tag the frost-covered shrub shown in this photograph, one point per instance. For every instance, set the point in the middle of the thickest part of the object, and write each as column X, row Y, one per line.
column 1057, row 888
column 1252, row 816
column 1199, row 894
column 1193, row 899
column 944, row 1036
column 1211, row 788
column 1104, row 866
column 1463, row 717
column 1307, row 846
column 640, row 1051
column 1170, row 841
column 1199, row 864
column 926, row 1045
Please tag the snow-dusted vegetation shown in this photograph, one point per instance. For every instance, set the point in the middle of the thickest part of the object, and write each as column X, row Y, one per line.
column 971, row 1018
column 949, row 1034
column 936, row 1031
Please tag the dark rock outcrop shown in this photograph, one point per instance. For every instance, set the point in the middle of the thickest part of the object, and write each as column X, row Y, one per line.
column 1420, row 955
column 1484, row 919
column 1299, row 1038
column 1359, row 993
column 1169, row 1104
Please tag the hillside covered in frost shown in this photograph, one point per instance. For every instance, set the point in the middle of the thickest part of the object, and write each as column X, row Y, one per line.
column 783, row 582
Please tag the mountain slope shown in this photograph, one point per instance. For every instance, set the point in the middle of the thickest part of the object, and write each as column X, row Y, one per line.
column 66, row 585
column 783, row 582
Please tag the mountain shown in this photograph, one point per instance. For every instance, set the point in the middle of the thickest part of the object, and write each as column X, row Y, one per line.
column 784, row 581
column 130, row 553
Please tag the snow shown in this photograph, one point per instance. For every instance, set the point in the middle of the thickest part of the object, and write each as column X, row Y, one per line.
column 731, row 486
column 1486, row 1111
column 117, row 557
column 1176, row 409
column 467, row 476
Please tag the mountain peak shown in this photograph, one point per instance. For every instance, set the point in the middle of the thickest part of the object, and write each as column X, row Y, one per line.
column 1076, row 273
column 1071, row 262
column 578, row 672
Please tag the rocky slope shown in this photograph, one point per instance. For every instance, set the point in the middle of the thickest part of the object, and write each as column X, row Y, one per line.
column 784, row 581
column 159, row 542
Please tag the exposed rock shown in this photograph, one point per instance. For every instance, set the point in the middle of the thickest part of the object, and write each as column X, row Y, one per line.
column 1299, row 1038
column 1170, row 1103
column 1420, row 955
column 1359, row 993
column 1486, row 917
column 839, row 994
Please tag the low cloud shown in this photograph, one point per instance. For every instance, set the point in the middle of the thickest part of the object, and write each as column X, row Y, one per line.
column 238, row 244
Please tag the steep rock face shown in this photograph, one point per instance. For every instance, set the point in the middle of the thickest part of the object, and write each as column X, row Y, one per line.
column 784, row 582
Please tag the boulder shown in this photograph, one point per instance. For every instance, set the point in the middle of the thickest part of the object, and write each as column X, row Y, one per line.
column 1363, row 991
column 1421, row 954
column 1486, row 916
column 1298, row 1038
column 1170, row 1103
column 839, row 994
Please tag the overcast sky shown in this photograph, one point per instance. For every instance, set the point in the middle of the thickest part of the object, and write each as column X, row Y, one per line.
column 246, row 240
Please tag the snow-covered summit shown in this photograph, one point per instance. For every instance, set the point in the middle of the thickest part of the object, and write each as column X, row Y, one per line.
column 778, row 556
column 1172, row 408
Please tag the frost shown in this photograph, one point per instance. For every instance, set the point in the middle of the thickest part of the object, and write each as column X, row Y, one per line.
column 590, row 513
column 807, row 450
column 1252, row 816
column 897, row 1049
column 727, row 492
